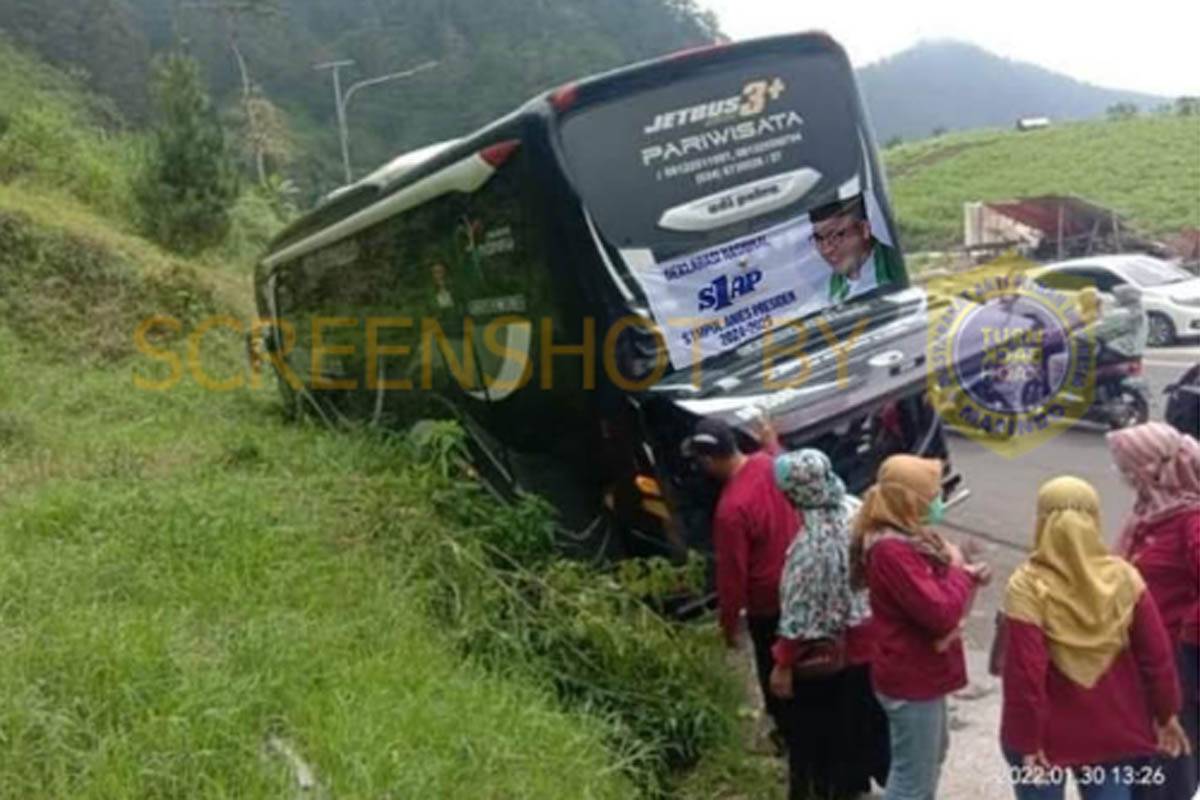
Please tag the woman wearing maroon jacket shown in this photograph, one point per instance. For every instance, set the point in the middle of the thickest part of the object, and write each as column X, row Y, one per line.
column 920, row 589
column 1162, row 539
column 1089, row 680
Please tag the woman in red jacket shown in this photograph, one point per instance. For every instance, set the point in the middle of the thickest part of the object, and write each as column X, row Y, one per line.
column 920, row 589
column 1089, row 679
column 1162, row 539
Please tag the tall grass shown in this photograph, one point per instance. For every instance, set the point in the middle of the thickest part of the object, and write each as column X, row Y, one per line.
column 54, row 146
column 186, row 576
column 188, row 580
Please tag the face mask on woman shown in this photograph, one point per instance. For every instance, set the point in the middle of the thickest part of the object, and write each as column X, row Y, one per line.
column 936, row 512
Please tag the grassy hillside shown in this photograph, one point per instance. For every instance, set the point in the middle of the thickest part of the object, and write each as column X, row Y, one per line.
column 1148, row 169
column 189, row 577
column 185, row 575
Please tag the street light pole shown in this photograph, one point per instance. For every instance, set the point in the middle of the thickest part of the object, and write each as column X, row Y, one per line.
column 343, row 101
column 336, row 67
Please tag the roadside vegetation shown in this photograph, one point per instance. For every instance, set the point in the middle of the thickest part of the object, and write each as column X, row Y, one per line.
column 1144, row 167
column 202, row 598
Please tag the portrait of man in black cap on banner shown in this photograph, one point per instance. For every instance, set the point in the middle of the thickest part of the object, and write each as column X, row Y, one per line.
column 859, row 260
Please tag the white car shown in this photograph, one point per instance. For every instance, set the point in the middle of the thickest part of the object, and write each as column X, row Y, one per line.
column 1170, row 294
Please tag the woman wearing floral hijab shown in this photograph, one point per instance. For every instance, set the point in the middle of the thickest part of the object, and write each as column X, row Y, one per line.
column 838, row 739
column 920, row 588
column 1089, row 683
column 1161, row 538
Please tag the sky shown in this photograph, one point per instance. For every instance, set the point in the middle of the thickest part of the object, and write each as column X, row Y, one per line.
column 1147, row 46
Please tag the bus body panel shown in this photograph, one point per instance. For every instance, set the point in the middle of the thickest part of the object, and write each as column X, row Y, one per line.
column 454, row 239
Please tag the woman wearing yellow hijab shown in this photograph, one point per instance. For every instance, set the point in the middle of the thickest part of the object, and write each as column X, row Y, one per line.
column 1089, row 675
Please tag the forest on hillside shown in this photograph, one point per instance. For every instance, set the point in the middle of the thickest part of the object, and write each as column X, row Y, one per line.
column 491, row 57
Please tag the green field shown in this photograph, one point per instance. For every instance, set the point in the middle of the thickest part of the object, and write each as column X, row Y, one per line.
column 189, row 578
column 185, row 575
column 1148, row 169
column 188, row 574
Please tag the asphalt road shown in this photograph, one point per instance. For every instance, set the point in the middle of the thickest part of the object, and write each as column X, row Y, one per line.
column 1003, row 489
column 999, row 515
column 1000, row 510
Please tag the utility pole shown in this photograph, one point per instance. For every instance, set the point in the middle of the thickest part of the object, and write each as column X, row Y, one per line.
column 343, row 101
column 336, row 67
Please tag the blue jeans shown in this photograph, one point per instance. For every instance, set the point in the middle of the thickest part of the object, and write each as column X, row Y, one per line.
column 1098, row 783
column 920, row 738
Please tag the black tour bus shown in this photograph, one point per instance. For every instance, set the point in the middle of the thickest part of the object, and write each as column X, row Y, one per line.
column 580, row 281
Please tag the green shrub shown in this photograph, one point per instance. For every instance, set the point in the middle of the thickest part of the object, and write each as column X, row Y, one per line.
column 584, row 632
column 253, row 223
column 50, row 146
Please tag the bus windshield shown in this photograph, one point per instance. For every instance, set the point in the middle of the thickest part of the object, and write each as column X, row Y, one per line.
column 737, row 196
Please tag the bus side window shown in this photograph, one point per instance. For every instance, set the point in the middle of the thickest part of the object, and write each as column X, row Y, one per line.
column 421, row 305
column 544, row 428
column 532, row 412
column 503, row 260
column 313, row 299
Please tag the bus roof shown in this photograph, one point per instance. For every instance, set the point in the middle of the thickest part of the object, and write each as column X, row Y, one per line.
column 415, row 164
column 401, row 165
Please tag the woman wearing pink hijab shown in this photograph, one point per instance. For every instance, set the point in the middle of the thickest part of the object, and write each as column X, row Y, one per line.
column 1162, row 538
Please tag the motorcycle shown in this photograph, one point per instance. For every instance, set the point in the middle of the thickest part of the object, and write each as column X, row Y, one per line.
column 1032, row 380
column 1121, row 396
column 1120, row 392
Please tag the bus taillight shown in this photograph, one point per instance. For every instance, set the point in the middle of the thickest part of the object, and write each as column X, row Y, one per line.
column 495, row 155
column 564, row 97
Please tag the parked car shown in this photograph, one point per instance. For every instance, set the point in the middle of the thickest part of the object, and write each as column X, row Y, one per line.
column 1170, row 295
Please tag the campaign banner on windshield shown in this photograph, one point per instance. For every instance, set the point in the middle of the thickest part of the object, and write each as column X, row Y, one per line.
column 713, row 300
column 716, row 299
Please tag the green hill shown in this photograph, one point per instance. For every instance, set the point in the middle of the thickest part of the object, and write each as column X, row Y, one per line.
column 185, row 575
column 491, row 57
column 194, row 586
column 936, row 85
column 1147, row 168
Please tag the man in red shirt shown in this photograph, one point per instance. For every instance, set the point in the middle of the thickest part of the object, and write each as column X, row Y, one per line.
column 753, row 525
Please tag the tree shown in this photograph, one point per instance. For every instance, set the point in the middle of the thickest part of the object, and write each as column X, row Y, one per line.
column 257, row 117
column 1119, row 111
column 265, row 137
column 1188, row 106
column 189, row 183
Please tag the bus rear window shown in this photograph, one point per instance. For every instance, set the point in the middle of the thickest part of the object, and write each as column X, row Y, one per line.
column 715, row 155
column 739, row 197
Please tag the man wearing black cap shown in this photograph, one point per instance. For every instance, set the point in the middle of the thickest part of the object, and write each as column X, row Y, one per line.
column 753, row 526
